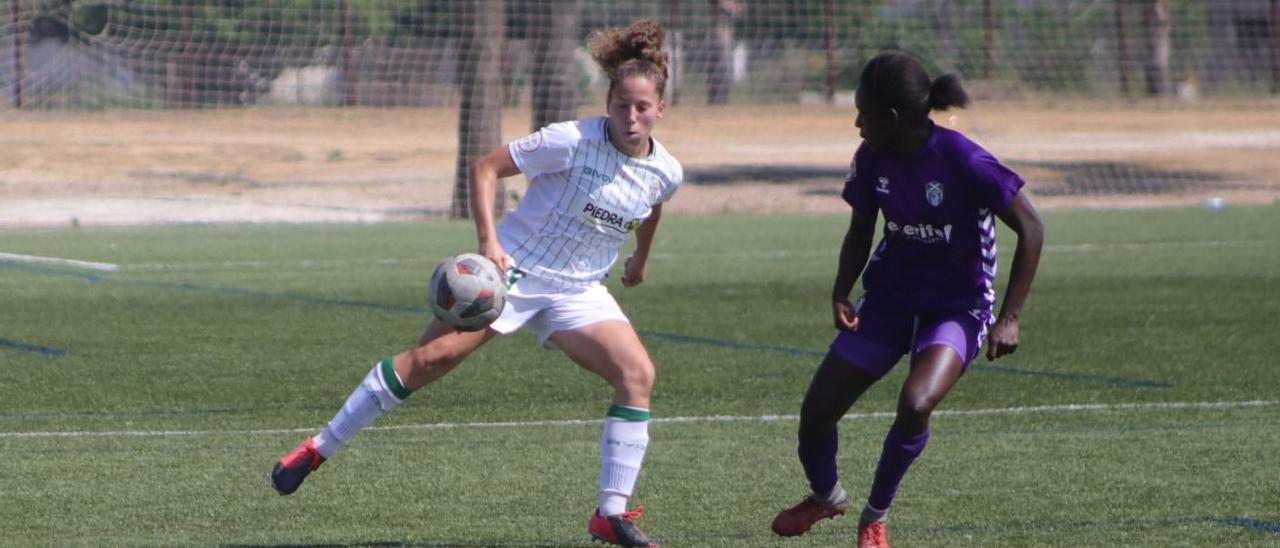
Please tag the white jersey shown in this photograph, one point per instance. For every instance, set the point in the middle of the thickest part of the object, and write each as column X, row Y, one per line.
column 584, row 199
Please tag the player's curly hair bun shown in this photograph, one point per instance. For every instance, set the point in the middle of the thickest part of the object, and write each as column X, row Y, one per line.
column 633, row 51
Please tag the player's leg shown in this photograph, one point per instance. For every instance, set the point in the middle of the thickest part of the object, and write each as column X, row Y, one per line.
column 855, row 362
column 440, row 349
column 836, row 385
column 943, row 350
column 612, row 350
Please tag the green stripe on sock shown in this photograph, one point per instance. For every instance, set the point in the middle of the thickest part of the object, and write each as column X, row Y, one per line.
column 628, row 413
column 393, row 382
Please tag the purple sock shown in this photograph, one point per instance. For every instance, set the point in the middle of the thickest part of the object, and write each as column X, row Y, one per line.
column 819, row 459
column 899, row 452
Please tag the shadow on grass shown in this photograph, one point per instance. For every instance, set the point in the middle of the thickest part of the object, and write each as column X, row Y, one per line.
column 1117, row 178
column 772, row 174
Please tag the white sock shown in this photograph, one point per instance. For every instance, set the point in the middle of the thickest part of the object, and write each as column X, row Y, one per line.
column 622, row 447
column 837, row 497
column 379, row 392
column 870, row 514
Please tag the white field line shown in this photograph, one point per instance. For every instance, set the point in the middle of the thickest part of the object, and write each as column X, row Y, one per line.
column 36, row 259
column 301, row 263
column 1064, row 408
column 1120, row 246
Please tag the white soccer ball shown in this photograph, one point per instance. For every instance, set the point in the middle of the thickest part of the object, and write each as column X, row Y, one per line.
column 467, row 292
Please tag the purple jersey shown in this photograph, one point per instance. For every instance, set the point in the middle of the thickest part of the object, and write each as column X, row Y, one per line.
column 939, row 246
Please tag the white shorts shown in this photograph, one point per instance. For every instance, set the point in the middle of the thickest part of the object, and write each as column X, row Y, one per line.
column 550, row 309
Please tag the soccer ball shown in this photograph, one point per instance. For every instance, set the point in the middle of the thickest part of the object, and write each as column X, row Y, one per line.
column 467, row 292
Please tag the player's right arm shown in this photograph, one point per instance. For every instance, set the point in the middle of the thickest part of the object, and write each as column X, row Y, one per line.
column 853, row 257
column 483, row 188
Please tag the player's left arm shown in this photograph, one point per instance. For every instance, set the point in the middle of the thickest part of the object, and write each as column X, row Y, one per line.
column 638, row 262
column 1022, row 217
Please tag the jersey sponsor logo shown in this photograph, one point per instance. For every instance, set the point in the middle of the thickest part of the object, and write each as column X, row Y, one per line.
column 602, row 216
column 882, row 185
column 530, row 142
column 933, row 193
column 925, row 233
column 593, row 172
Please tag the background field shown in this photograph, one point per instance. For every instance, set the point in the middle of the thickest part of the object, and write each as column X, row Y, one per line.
column 374, row 165
column 145, row 406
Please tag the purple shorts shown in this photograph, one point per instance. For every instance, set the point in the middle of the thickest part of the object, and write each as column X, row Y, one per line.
column 887, row 332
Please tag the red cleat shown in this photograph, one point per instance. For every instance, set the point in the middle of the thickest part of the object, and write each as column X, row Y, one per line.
column 291, row 469
column 619, row 530
column 797, row 520
column 873, row 535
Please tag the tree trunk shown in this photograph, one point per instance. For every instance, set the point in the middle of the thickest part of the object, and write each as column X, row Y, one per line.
column 989, row 39
column 675, row 70
column 480, row 118
column 1275, row 47
column 1122, row 47
column 718, row 80
column 829, row 28
column 348, row 67
column 19, row 52
column 1159, row 19
column 554, row 74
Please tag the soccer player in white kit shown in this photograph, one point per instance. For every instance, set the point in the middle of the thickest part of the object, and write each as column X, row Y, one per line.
column 591, row 183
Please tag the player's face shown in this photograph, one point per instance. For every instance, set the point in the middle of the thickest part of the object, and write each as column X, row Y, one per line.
column 634, row 108
column 876, row 125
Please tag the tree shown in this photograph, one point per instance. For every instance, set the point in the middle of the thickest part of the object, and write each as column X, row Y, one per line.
column 1158, row 15
column 554, row 78
column 718, row 80
column 480, row 119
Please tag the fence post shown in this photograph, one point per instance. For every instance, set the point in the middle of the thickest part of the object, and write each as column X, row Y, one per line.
column 19, row 53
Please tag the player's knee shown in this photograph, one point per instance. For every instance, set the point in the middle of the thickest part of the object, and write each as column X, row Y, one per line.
column 636, row 378
column 914, row 411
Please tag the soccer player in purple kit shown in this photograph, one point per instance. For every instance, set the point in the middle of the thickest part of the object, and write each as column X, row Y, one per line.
column 928, row 287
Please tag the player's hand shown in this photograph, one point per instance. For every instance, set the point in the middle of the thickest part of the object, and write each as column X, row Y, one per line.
column 494, row 252
column 846, row 318
column 1003, row 338
column 633, row 271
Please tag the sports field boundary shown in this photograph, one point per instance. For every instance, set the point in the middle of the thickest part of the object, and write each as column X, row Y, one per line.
column 1021, row 410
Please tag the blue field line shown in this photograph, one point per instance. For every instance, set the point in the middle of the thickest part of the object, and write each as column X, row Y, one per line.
column 732, row 344
column 1115, row 381
column 675, row 337
column 1268, row 526
column 234, row 291
column 32, row 348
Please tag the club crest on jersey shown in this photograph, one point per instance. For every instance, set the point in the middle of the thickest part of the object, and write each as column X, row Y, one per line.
column 882, row 185
column 933, row 193
column 530, row 142
column 602, row 216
